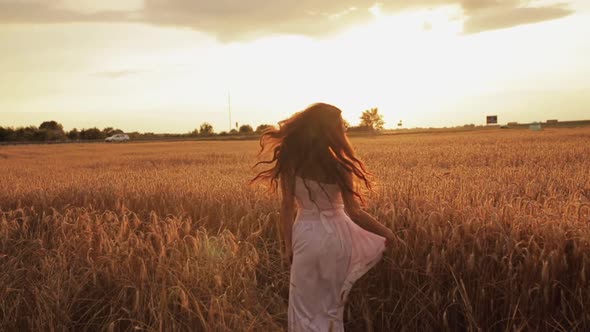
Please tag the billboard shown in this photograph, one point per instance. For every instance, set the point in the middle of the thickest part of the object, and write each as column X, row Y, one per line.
column 492, row 119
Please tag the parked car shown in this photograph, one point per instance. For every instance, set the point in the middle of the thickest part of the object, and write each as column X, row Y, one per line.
column 117, row 138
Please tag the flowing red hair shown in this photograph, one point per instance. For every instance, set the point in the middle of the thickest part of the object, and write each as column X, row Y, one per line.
column 315, row 135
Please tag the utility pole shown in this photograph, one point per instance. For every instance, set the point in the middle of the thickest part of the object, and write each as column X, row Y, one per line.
column 229, row 108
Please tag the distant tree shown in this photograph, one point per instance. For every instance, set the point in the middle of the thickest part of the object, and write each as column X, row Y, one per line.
column 223, row 133
column 261, row 128
column 49, row 135
column 26, row 133
column 246, row 129
column 50, row 131
column 134, row 135
column 233, row 132
column 92, row 134
column 51, row 125
column 372, row 119
column 206, row 129
column 73, row 134
column 346, row 124
column 110, row 131
column 6, row 134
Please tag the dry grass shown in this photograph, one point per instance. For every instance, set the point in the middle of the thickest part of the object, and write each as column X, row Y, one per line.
column 493, row 226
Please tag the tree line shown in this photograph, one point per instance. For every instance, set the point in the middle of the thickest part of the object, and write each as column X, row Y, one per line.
column 52, row 131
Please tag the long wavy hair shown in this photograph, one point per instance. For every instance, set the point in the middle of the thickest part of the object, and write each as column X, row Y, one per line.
column 316, row 135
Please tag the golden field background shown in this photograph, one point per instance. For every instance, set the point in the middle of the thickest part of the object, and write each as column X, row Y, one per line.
column 494, row 235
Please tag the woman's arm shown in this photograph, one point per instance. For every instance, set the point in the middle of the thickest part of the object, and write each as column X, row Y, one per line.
column 287, row 214
column 362, row 218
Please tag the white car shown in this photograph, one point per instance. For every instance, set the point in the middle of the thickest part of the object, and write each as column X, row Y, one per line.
column 117, row 138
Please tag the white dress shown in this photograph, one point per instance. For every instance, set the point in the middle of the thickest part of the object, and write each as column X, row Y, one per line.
column 330, row 253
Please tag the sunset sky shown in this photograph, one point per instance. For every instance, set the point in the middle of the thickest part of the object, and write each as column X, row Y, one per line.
column 167, row 65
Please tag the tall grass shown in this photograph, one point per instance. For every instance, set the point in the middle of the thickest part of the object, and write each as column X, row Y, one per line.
column 494, row 234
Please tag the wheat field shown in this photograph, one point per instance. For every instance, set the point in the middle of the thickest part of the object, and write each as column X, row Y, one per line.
column 493, row 228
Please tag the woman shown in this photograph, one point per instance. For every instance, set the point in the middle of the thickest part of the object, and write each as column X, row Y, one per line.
column 330, row 241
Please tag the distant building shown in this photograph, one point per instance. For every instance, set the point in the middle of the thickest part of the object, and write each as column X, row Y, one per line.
column 536, row 127
column 552, row 121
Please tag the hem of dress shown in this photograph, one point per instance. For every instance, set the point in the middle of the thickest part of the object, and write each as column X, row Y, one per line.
column 359, row 272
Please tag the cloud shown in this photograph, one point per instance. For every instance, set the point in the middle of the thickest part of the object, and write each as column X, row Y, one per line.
column 238, row 19
column 501, row 19
column 259, row 17
column 51, row 11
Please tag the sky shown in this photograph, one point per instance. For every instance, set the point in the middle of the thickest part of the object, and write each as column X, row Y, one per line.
column 170, row 65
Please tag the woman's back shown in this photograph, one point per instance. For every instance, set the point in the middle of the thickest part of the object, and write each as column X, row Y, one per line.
column 311, row 194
